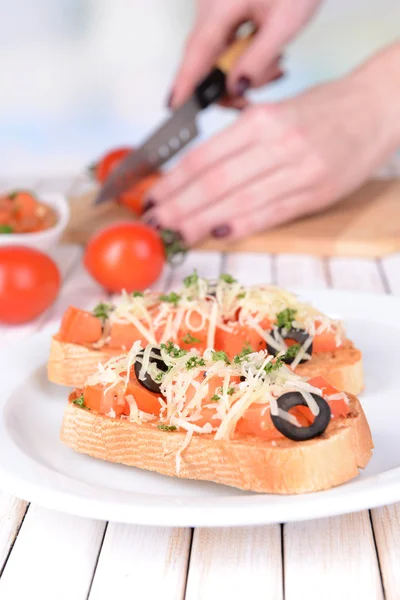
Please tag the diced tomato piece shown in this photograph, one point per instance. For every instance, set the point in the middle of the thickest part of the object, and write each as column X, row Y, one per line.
column 123, row 336
column 214, row 388
column 339, row 408
column 257, row 421
column 188, row 337
column 145, row 400
column 79, row 327
column 103, row 402
column 242, row 335
column 324, row 342
column 25, row 205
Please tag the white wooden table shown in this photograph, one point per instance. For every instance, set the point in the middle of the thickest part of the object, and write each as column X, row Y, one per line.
column 53, row 556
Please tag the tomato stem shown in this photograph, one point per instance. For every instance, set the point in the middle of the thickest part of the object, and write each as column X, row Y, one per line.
column 174, row 246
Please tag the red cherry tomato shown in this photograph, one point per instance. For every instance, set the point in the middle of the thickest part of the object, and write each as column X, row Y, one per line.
column 29, row 283
column 107, row 163
column 126, row 256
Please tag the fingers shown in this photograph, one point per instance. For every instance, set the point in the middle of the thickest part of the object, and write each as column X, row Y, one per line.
column 220, row 218
column 283, row 210
column 225, row 143
column 255, row 64
column 213, row 184
column 207, row 41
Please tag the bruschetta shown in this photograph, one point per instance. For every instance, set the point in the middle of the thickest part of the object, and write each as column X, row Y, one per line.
column 222, row 315
column 249, row 422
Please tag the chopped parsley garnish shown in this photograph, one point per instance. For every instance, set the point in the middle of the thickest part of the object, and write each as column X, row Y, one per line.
column 159, row 377
column 273, row 366
column 103, row 310
column 6, row 229
column 190, row 339
column 172, row 298
column 80, row 402
column 227, row 278
column 292, row 351
column 220, row 355
column 241, row 295
column 173, row 350
column 246, row 350
column 285, row 318
column 166, row 427
column 215, row 398
column 230, row 391
column 191, row 279
column 137, row 294
column 195, row 361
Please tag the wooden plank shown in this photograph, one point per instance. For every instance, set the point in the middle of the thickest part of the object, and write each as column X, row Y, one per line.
column 249, row 267
column 241, row 562
column 355, row 274
column 12, row 512
column 299, row 270
column 343, row 545
column 331, row 558
column 54, row 556
column 348, row 228
column 142, row 562
column 386, row 522
column 391, row 271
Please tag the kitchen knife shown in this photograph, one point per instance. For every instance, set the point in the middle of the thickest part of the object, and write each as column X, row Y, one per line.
column 176, row 132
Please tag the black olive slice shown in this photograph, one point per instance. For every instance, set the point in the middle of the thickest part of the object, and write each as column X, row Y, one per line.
column 148, row 382
column 298, row 335
column 300, row 434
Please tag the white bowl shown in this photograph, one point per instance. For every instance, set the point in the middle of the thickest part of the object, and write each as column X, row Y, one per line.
column 42, row 240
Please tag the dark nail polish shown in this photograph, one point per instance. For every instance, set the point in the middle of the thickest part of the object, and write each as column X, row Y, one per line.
column 278, row 75
column 148, row 204
column 221, row 231
column 242, row 84
column 169, row 99
column 153, row 222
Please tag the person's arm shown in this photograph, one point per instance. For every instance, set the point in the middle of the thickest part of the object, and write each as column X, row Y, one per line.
column 380, row 77
column 281, row 161
column 277, row 22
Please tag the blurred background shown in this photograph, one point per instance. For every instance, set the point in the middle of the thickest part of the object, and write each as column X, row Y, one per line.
column 81, row 76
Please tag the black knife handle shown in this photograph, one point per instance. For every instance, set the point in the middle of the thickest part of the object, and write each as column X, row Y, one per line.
column 211, row 89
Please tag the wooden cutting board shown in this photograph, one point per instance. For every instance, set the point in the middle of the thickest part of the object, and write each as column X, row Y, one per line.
column 367, row 223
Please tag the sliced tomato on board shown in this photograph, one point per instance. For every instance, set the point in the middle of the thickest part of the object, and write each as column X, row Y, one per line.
column 134, row 197
column 79, row 327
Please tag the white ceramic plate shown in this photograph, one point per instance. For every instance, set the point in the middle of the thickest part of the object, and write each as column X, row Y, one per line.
column 36, row 466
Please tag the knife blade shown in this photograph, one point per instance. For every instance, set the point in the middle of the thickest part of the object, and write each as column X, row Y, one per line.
column 176, row 132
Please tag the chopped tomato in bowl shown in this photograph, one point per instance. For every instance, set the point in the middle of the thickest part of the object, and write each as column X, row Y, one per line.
column 30, row 219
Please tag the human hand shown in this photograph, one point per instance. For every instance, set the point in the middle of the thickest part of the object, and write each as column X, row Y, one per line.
column 277, row 22
column 275, row 163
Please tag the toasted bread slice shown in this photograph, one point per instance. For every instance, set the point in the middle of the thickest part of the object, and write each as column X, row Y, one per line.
column 71, row 364
column 248, row 463
column 342, row 368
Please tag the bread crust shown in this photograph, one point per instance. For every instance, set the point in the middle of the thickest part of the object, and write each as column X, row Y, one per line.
column 248, row 463
column 71, row 364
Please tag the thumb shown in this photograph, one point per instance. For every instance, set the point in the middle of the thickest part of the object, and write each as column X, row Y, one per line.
column 202, row 50
column 254, row 66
